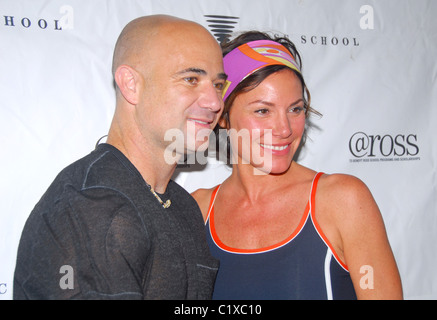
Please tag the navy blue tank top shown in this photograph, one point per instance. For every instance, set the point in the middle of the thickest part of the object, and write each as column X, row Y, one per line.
column 303, row 266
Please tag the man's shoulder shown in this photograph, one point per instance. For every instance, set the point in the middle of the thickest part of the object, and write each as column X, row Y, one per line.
column 104, row 168
column 90, row 186
column 77, row 172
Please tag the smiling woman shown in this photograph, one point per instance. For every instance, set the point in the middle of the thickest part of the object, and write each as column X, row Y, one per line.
column 279, row 229
column 278, row 118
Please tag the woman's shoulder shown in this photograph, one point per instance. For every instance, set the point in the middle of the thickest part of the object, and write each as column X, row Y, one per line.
column 203, row 194
column 347, row 198
column 203, row 199
column 339, row 185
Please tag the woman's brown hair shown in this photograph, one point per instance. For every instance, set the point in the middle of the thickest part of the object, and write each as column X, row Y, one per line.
column 253, row 80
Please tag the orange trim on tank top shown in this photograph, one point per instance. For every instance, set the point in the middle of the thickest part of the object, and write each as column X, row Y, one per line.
column 316, row 224
column 309, row 210
column 222, row 246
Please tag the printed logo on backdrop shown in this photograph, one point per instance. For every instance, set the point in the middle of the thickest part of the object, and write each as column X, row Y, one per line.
column 365, row 21
column 365, row 147
column 221, row 27
column 64, row 20
column 3, row 288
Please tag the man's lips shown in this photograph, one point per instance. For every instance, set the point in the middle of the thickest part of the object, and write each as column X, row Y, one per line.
column 202, row 122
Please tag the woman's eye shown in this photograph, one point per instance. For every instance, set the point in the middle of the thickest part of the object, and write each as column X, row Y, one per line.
column 296, row 110
column 262, row 111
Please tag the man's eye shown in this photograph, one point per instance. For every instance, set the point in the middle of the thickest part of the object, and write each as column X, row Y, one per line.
column 219, row 86
column 191, row 80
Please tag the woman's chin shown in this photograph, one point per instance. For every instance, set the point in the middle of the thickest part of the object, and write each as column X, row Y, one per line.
column 274, row 168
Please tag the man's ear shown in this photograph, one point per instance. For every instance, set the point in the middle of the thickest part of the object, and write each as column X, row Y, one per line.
column 127, row 81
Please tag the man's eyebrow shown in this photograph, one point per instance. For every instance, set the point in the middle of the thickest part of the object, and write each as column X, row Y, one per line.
column 222, row 76
column 202, row 72
column 193, row 70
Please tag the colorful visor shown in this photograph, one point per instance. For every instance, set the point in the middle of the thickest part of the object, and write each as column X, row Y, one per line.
column 252, row 56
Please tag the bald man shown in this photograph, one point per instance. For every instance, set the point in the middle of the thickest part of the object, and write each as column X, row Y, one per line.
column 113, row 225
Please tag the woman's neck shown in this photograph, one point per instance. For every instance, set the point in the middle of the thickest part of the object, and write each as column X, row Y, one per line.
column 252, row 184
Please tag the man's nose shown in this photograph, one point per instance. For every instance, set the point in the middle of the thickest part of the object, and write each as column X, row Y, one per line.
column 211, row 98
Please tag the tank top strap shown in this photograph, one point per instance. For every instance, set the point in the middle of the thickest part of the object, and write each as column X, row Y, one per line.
column 313, row 191
column 311, row 198
column 211, row 202
column 316, row 224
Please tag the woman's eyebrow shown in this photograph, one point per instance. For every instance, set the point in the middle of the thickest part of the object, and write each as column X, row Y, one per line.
column 270, row 104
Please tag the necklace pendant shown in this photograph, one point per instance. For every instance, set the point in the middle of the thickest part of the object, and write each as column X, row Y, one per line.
column 166, row 204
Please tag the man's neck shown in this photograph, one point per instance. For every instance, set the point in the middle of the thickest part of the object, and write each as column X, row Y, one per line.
column 149, row 161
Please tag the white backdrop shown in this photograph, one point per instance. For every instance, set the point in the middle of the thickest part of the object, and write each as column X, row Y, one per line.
column 370, row 65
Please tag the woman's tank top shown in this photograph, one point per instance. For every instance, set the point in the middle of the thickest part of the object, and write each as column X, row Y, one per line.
column 303, row 266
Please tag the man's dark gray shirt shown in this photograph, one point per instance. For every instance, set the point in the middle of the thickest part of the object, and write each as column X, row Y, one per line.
column 99, row 233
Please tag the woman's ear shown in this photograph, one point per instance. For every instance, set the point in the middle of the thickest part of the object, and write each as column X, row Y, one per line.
column 224, row 121
column 127, row 82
